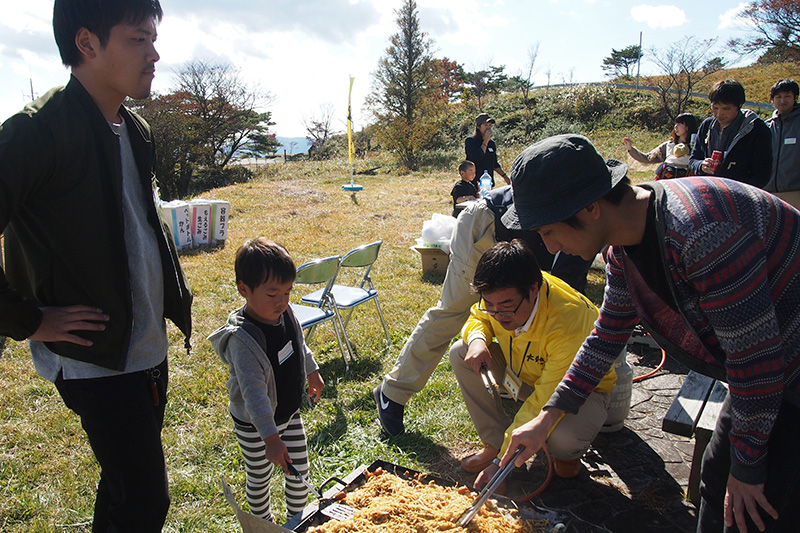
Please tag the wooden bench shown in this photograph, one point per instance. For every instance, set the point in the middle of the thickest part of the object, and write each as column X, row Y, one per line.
column 694, row 413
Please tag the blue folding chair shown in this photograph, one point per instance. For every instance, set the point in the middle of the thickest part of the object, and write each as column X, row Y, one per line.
column 319, row 272
column 349, row 297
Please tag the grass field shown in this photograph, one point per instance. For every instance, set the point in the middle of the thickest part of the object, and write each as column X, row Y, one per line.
column 47, row 473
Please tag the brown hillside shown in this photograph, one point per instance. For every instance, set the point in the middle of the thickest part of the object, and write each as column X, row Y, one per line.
column 756, row 79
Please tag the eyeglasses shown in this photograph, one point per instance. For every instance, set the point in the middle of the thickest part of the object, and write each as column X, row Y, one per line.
column 502, row 313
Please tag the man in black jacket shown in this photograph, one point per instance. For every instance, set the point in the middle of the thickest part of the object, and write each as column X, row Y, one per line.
column 90, row 274
column 743, row 139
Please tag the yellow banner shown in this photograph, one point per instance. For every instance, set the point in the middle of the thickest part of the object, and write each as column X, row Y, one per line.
column 351, row 150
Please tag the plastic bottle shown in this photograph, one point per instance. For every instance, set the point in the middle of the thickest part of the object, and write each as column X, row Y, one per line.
column 620, row 396
column 486, row 183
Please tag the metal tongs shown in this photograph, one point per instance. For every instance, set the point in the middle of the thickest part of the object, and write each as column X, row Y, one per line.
column 327, row 506
column 498, row 477
column 491, row 386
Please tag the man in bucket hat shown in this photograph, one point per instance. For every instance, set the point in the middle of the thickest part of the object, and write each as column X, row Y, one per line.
column 708, row 265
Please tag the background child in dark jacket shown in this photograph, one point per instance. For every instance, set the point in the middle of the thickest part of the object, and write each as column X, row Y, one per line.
column 466, row 188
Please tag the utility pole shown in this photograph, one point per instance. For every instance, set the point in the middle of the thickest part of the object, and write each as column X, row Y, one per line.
column 638, row 63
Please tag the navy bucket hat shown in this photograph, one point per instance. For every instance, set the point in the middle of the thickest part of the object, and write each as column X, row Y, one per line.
column 557, row 177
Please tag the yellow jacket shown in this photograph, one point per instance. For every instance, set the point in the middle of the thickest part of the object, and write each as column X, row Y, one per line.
column 564, row 318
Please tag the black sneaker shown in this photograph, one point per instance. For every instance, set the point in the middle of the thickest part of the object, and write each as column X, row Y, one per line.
column 390, row 413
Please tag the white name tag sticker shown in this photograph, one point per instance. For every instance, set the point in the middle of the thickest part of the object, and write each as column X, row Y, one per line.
column 512, row 383
column 790, row 140
column 285, row 353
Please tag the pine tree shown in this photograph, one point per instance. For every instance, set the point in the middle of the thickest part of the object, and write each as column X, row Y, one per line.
column 403, row 88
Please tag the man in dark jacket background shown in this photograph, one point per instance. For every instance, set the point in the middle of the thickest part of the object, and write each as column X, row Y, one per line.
column 739, row 134
column 89, row 273
column 785, row 128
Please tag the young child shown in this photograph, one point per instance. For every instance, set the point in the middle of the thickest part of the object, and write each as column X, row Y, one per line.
column 466, row 188
column 269, row 362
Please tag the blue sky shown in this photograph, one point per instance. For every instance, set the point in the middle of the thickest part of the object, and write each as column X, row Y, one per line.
column 303, row 51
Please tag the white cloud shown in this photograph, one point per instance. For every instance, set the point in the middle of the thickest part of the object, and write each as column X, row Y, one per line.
column 659, row 16
column 730, row 18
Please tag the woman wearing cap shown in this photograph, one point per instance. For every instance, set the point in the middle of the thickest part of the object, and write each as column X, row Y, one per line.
column 482, row 150
column 674, row 153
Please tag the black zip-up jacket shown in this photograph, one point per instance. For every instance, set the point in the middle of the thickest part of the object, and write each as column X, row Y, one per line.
column 748, row 158
column 61, row 211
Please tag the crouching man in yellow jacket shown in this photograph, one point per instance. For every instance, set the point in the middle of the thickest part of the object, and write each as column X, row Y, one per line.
column 525, row 330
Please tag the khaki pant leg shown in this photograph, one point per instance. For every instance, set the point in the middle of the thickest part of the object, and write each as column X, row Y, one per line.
column 474, row 234
column 490, row 423
column 428, row 342
column 574, row 433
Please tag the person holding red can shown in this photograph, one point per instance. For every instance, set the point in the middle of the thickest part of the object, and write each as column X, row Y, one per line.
column 742, row 139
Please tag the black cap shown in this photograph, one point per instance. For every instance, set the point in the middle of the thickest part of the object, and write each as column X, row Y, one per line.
column 483, row 118
column 557, row 177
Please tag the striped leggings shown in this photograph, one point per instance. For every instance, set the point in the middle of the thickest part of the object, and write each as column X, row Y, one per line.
column 259, row 470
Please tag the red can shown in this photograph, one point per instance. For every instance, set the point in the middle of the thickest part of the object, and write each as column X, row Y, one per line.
column 716, row 158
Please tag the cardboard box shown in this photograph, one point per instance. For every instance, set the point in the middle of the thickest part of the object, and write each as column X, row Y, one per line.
column 201, row 222
column 220, row 211
column 433, row 259
column 178, row 215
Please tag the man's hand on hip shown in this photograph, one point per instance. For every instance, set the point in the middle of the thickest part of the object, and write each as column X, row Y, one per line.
column 59, row 323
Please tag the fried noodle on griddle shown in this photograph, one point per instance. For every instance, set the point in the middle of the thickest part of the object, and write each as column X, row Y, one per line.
column 388, row 503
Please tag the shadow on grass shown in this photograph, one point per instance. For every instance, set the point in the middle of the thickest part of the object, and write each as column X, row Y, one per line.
column 202, row 249
column 330, row 432
column 333, row 370
column 425, row 450
column 434, row 278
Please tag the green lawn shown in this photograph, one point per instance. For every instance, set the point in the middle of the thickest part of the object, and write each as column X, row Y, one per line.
column 47, row 472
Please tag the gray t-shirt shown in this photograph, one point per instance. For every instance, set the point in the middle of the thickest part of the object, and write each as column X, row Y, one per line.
column 148, row 344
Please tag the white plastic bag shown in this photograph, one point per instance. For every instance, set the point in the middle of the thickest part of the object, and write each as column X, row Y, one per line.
column 438, row 230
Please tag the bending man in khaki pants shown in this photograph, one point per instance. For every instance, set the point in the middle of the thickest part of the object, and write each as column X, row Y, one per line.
column 477, row 229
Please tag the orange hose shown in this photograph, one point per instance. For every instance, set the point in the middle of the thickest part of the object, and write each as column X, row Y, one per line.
column 550, row 468
column 659, row 367
column 546, row 481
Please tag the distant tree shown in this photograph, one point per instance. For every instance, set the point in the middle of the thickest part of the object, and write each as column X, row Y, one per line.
column 683, row 65
column 448, row 78
column 527, row 84
column 620, row 62
column 482, row 83
column 226, row 109
column 202, row 125
column 319, row 130
column 775, row 31
column 522, row 82
column 568, row 77
column 402, row 84
column 178, row 151
column 261, row 145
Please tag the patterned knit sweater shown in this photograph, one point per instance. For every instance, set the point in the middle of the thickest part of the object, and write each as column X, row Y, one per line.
column 732, row 254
